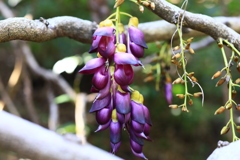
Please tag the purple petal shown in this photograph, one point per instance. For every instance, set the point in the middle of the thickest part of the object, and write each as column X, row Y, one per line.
column 106, row 47
column 115, row 147
column 123, row 74
column 99, row 104
column 100, row 78
column 137, row 127
column 105, row 91
column 122, row 102
column 92, row 66
column 95, row 43
column 94, row 90
column 115, row 132
column 137, row 112
column 126, row 88
column 103, row 115
column 168, row 92
column 126, row 58
column 104, row 31
column 140, row 155
column 147, row 115
column 135, row 146
column 136, row 50
column 137, row 36
column 103, row 127
column 123, row 38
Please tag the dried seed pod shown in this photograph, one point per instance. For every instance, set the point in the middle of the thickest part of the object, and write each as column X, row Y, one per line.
column 238, row 128
column 148, row 79
column 236, row 58
column 220, row 110
column 220, row 45
column 191, row 74
column 224, row 130
column 234, row 93
column 237, row 81
column 152, row 5
column 176, row 48
column 173, row 106
column 141, row 8
column 187, row 46
column 191, row 50
column 118, row 3
column 221, row 81
column 194, row 79
column 197, row 94
column 146, row 4
column 238, row 107
column 174, row 62
column 184, row 109
column 189, row 40
column 176, row 56
column 181, row 96
column 238, row 67
column 217, row 74
column 229, row 106
column 177, row 81
column 190, row 102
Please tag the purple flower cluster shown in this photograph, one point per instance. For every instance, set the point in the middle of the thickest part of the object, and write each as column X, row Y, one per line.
column 116, row 105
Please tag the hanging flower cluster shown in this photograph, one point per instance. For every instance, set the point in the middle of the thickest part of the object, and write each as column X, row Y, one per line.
column 118, row 106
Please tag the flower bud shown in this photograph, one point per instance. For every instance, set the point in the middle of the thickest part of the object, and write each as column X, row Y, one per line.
column 141, row 8
column 238, row 67
column 146, row 4
column 176, row 48
column 118, row 3
column 152, row 5
column 238, row 128
column 234, row 93
column 181, row 96
column 187, row 46
column 191, row 74
column 220, row 45
column 197, row 94
column 191, row 50
column 177, row 81
column 217, row 74
column 173, row 106
column 237, row 81
column 238, row 107
column 190, row 102
column 121, row 47
column 221, row 81
column 236, row 58
column 174, row 62
column 229, row 106
column 224, row 130
column 220, row 110
column 184, row 109
column 176, row 56
column 133, row 21
column 189, row 40
column 194, row 79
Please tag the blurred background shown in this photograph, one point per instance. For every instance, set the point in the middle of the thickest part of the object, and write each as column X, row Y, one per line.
column 175, row 134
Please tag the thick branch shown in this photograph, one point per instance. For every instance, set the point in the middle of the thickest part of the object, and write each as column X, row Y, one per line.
column 35, row 142
column 81, row 30
column 199, row 22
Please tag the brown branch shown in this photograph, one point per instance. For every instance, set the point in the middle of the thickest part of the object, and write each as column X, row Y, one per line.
column 199, row 22
column 35, row 142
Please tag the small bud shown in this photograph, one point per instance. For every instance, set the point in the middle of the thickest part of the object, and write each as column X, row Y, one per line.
column 181, row 96
column 176, row 56
column 173, row 106
column 191, row 50
column 120, row 28
column 187, row 46
column 176, row 48
column 141, row 8
column 175, row 62
column 148, row 79
column 238, row 128
column 220, row 110
column 236, row 58
column 121, row 47
column 189, row 40
column 237, row 81
column 229, row 106
column 146, row 4
column 177, row 81
column 191, row 74
column 238, row 107
column 224, row 130
column 238, row 67
column 190, row 102
column 217, row 74
column 197, row 94
column 220, row 45
column 118, row 3
column 184, row 109
column 152, row 5
column 221, row 81
column 234, row 93
column 194, row 79
column 133, row 21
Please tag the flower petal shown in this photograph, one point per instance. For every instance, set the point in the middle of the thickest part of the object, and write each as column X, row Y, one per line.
column 95, row 43
column 136, row 50
column 147, row 115
column 137, row 127
column 123, row 74
column 126, row 58
column 105, row 91
column 115, row 132
column 135, row 146
column 100, row 78
column 99, row 104
column 104, row 31
column 137, row 112
column 122, row 102
column 92, row 66
column 137, row 36
column 140, row 155
column 103, row 115
column 106, row 47
column 115, row 147
column 103, row 127
column 168, row 92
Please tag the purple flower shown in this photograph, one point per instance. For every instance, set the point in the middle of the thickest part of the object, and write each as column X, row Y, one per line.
column 100, row 78
column 92, row 66
column 122, row 102
column 103, row 42
column 123, row 74
column 168, row 92
column 126, row 58
column 99, row 104
column 115, row 135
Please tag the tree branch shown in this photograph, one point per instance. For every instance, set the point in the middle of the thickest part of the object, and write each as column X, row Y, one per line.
column 35, row 142
column 199, row 22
